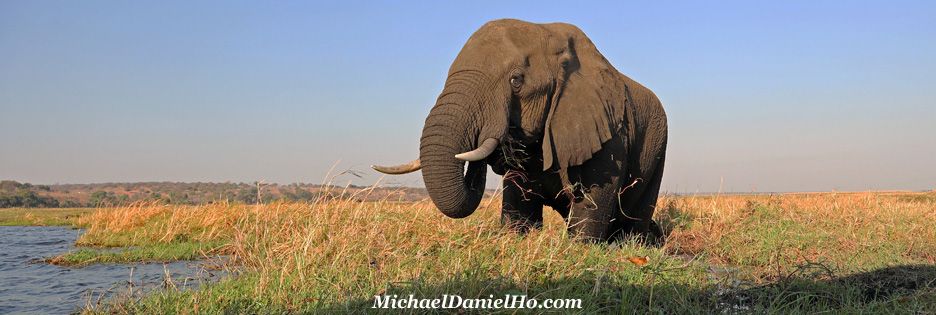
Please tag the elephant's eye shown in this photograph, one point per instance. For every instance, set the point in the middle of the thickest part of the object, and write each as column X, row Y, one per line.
column 516, row 81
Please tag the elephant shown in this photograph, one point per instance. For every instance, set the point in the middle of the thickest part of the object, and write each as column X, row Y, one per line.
column 543, row 107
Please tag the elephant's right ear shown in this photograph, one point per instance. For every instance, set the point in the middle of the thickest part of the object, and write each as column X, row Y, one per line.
column 587, row 107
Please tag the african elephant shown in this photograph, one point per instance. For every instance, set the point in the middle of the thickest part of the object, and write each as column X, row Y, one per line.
column 568, row 129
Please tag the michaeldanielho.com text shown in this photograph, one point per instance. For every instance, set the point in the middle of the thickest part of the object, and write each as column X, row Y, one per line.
column 508, row 301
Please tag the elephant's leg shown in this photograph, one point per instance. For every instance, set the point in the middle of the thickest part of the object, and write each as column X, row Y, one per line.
column 523, row 205
column 591, row 213
column 639, row 220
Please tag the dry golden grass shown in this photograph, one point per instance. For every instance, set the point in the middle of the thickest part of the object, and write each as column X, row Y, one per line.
column 339, row 253
column 147, row 222
column 842, row 229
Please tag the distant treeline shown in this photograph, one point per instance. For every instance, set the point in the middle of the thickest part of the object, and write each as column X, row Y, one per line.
column 16, row 194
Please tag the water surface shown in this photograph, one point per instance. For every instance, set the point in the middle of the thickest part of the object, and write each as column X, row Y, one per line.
column 29, row 286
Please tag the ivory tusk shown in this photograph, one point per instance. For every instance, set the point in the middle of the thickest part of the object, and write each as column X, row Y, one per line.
column 410, row 167
column 485, row 149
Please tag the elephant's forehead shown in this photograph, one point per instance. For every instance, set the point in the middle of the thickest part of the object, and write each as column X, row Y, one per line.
column 501, row 44
column 511, row 33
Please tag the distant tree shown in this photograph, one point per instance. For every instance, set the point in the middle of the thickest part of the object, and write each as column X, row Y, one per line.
column 8, row 201
column 28, row 198
column 25, row 197
column 9, row 185
column 297, row 193
column 102, row 198
column 157, row 197
column 98, row 198
column 178, row 198
column 247, row 195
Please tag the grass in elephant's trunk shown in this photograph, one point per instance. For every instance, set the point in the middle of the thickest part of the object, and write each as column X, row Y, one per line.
column 724, row 253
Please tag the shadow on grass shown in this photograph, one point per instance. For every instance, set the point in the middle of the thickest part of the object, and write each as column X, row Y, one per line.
column 900, row 289
column 889, row 286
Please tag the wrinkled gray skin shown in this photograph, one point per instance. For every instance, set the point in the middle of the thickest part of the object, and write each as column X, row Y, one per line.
column 574, row 133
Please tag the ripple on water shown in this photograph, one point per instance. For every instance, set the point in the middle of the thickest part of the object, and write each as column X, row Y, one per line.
column 29, row 287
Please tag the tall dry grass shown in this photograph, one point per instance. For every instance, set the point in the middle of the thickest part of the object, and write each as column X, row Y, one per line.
column 338, row 253
column 144, row 223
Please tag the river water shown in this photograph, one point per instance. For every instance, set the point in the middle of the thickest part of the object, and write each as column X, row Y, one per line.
column 30, row 286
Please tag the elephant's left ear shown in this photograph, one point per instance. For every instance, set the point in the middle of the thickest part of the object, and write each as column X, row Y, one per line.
column 587, row 109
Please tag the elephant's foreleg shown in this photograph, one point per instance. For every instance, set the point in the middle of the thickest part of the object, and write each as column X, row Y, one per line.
column 590, row 214
column 523, row 205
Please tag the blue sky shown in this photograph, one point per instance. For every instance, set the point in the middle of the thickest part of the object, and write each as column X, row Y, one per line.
column 768, row 96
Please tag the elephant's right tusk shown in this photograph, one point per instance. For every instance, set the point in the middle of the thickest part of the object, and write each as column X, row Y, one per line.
column 410, row 167
column 485, row 149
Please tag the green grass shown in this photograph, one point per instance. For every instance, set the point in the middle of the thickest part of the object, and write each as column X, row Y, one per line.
column 818, row 253
column 42, row 216
column 158, row 252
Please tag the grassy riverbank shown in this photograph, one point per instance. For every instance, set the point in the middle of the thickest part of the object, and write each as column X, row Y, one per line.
column 844, row 252
column 788, row 253
column 42, row 216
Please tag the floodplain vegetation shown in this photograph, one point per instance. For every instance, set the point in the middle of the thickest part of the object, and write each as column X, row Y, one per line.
column 870, row 252
column 41, row 216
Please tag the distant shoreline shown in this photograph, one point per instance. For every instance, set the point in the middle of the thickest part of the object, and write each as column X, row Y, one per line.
column 16, row 194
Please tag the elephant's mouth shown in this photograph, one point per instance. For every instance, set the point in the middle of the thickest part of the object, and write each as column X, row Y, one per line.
column 517, row 152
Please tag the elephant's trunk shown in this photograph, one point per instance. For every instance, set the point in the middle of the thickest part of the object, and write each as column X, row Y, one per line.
column 454, row 126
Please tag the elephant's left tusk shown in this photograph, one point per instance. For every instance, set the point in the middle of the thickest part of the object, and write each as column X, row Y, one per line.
column 410, row 167
column 485, row 149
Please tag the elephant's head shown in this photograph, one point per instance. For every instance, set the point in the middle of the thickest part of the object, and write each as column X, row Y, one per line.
column 542, row 85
